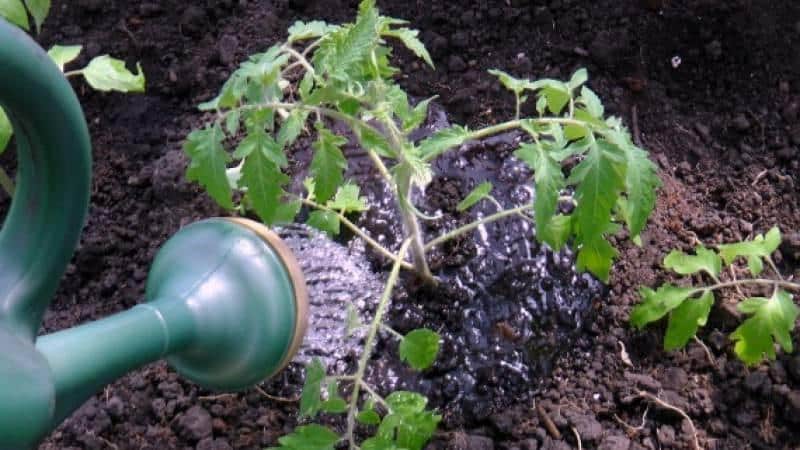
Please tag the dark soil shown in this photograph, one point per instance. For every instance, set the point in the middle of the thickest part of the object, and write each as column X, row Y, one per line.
column 723, row 126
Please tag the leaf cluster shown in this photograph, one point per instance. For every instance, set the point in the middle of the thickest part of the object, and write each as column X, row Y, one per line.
column 770, row 320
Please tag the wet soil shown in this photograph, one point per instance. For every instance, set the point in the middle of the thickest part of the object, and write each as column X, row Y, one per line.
column 711, row 88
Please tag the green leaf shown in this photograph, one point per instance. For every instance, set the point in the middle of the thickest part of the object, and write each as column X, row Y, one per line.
column 326, row 221
column 15, row 12
column 578, row 78
column 309, row 30
column 762, row 246
column 263, row 180
column 656, row 304
column 292, row 127
column 39, row 10
column 592, row 103
column 419, row 348
column 335, row 404
column 514, row 85
column 259, row 141
column 408, row 424
column 374, row 141
column 344, row 49
column 417, row 115
column 328, row 164
column 63, row 55
column 105, row 73
column 353, row 321
column 686, row 319
column 6, row 131
column 599, row 178
column 369, row 417
column 442, row 141
column 641, row 182
column 348, row 199
column 480, row 192
column 232, row 122
column 557, row 232
column 310, row 437
column 703, row 260
column 410, row 40
column 770, row 319
column 208, row 160
column 310, row 401
column 549, row 183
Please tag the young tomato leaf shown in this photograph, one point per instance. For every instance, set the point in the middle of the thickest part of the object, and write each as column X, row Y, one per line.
column 309, row 437
column 368, row 417
column 410, row 40
column 704, row 260
column 761, row 246
column 641, row 182
column 408, row 424
column 310, row 401
column 258, row 141
column 309, row 30
column 15, row 12
column 344, row 49
column 6, row 131
column 442, row 141
column 263, row 180
column 105, row 73
column 549, row 183
column 419, row 348
column 348, row 199
column 480, row 192
column 686, row 319
column 292, row 127
column 770, row 318
column 208, row 160
column 63, row 55
column 39, row 10
column 515, row 85
column 325, row 221
column 328, row 164
column 594, row 107
column 656, row 304
column 557, row 232
column 335, row 404
column 578, row 78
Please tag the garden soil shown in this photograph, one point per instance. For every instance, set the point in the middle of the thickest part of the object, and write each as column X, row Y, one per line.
column 711, row 88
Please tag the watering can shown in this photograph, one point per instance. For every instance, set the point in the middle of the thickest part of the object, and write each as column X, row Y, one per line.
column 225, row 300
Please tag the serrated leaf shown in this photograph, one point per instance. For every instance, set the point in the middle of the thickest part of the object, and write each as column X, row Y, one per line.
column 480, row 192
column 309, row 30
column 761, row 246
column 641, row 182
column 703, row 260
column 310, row 401
column 410, row 40
column 419, row 348
column 310, row 437
column 443, row 140
column 557, row 232
column 208, row 163
column 105, row 73
column 686, row 319
column 63, row 55
column 417, row 115
column 263, row 180
column 328, row 164
column 656, row 304
column 515, row 85
column 372, row 140
column 770, row 319
column 578, row 78
column 592, row 103
column 39, row 10
column 15, row 12
column 232, row 122
column 599, row 178
column 342, row 51
column 549, row 183
column 408, row 424
column 259, row 141
column 326, row 221
column 292, row 127
column 6, row 131
column 348, row 199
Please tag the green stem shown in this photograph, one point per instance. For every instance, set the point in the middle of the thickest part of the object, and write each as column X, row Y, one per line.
column 358, row 231
column 743, row 282
column 472, row 225
column 7, row 183
column 73, row 73
column 370, row 342
column 392, row 331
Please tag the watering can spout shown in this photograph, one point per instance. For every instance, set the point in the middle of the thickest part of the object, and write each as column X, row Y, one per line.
column 225, row 302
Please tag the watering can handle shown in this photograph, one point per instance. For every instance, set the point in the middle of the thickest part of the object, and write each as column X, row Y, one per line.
column 47, row 213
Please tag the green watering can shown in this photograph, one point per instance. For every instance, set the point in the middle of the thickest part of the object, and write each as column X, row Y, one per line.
column 226, row 303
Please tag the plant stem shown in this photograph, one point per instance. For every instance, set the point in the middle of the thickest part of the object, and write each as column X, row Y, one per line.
column 299, row 58
column 358, row 231
column 472, row 225
column 370, row 342
column 7, row 183
column 757, row 281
